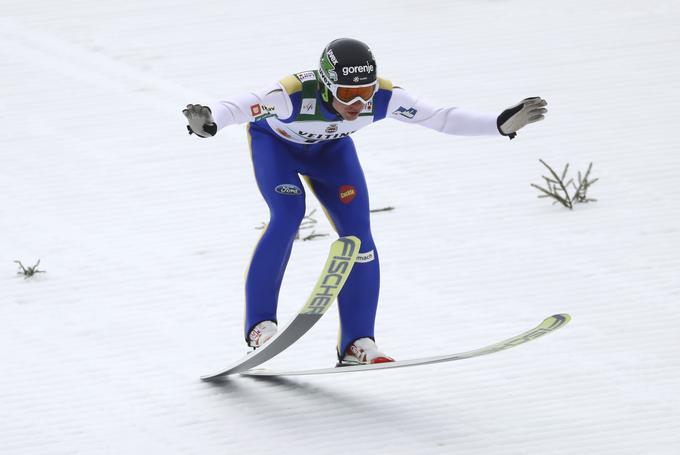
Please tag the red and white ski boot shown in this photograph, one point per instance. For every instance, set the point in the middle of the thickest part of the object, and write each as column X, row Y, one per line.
column 261, row 333
column 362, row 352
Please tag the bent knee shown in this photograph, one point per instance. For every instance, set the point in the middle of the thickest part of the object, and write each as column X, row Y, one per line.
column 287, row 217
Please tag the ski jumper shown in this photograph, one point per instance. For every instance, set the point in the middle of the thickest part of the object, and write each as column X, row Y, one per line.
column 293, row 132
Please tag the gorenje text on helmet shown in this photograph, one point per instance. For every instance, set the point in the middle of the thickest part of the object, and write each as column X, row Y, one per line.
column 367, row 68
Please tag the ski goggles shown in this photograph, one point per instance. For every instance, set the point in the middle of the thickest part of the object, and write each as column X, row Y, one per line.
column 350, row 94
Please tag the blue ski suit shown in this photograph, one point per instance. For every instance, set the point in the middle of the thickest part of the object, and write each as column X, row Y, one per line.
column 292, row 132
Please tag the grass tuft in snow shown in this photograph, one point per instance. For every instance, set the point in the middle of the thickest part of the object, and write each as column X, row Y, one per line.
column 28, row 272
column 558, row 187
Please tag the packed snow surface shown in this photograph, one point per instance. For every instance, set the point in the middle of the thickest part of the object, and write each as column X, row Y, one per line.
column 145, row 232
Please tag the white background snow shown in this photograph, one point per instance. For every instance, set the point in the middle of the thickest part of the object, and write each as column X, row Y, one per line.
column 146, row 232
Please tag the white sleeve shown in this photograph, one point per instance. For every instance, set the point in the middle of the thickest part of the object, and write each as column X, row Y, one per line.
column 408, row 108
column 249, row 107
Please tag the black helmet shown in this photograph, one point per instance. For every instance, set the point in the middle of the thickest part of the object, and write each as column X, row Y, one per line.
column 347, row 62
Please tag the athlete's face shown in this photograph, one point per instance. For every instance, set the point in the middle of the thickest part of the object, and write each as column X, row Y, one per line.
column 350, row 112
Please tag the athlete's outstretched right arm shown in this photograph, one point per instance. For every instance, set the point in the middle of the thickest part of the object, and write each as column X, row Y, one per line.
column 201, row 122
column 206, row 121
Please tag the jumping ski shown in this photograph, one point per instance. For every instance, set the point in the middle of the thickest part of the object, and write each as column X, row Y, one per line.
column 338, row 266
column 547, row 326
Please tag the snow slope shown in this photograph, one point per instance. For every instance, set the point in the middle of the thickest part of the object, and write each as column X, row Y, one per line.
column 145, row 232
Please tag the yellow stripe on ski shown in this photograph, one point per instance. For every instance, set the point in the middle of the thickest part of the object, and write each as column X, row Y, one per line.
column 340, row 261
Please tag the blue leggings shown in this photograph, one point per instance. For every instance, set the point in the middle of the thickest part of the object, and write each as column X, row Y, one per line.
column 333, row 172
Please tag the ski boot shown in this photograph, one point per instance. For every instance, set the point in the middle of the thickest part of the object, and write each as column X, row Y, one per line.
column 362, row 352
column 261, row 333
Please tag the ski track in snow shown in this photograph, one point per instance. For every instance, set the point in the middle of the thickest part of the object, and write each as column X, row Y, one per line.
column 145, row 232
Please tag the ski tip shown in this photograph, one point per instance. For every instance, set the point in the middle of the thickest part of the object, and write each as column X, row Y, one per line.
column 350, row 237
column 555, row 321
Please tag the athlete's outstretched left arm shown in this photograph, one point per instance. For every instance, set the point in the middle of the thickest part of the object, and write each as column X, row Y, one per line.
column 408, row 108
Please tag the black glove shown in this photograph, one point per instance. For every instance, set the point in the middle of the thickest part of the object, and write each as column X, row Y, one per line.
column 201, row 121
column 530, row 110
